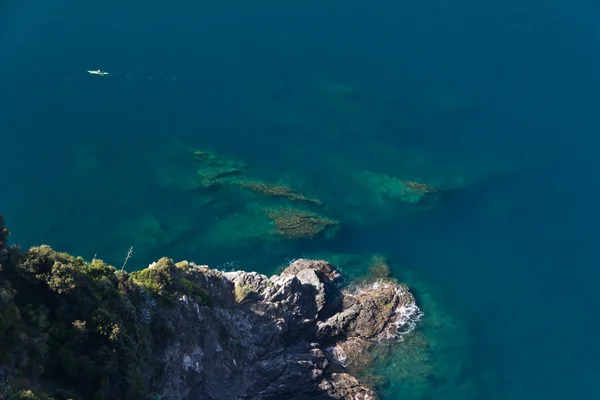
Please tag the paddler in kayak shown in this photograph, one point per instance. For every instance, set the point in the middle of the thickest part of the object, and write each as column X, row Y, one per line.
column 97, row 72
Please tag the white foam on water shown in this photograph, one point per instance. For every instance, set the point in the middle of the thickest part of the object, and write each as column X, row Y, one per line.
column 405, row 316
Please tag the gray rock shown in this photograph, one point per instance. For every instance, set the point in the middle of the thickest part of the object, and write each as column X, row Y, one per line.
column 270, row 338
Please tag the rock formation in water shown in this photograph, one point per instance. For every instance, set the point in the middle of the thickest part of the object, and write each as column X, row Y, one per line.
column 78, row 330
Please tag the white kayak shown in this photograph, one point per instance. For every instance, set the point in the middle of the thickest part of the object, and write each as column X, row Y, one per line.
column 97, row 72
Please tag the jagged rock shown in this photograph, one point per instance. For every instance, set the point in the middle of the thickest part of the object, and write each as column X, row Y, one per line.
column 323, row 268
column 345, row 386
column 375, row 311
column 275, row 342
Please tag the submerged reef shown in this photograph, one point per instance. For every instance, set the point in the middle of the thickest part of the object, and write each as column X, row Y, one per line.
column 215, row 169
column 230, row 205
column 73, row 329
column 386, row 189
column 438, row 350
column 296, row 224
column 274, row 190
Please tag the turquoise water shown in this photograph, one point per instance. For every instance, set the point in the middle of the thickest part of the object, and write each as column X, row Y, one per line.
column 494, row 103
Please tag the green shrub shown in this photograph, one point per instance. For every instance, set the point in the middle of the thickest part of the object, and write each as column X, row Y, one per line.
column 196, row 291
column 53, row 296
column 158, row 279
column 77, row 326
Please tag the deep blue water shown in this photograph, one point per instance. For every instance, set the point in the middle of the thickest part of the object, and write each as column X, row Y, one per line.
column 502, row 95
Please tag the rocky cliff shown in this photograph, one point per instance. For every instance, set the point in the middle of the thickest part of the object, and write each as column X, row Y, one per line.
column 73, row 329
column 286, row 336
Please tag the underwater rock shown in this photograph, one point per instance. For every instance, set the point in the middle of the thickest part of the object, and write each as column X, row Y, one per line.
column 184, row 169
column 294, row 223
column 389, row 187
column 273, row 190
column 438, row 350
column 215, row 169
column 215, row 176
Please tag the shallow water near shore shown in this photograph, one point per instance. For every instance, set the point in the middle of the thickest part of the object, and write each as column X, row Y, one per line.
column 493, row 104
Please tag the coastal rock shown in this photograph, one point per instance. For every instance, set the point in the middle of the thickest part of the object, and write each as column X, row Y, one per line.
column 345, row 386
column 275, row 341
column 322, row 268
column 377, row 311
column 181, row 331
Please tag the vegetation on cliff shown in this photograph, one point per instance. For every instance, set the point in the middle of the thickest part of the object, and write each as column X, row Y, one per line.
column 77, row 330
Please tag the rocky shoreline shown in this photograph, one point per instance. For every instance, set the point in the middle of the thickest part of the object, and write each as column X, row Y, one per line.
column 77, row 330
column 293, row 332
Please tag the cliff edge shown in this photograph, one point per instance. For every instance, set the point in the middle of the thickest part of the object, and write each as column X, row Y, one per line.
column 77, row 330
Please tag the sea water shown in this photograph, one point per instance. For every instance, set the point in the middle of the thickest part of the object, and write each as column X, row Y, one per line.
column 495, row 103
